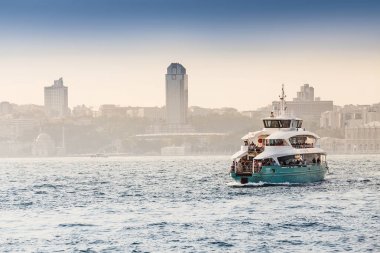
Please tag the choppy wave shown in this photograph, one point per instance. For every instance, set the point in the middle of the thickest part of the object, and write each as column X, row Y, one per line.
column 187, row 204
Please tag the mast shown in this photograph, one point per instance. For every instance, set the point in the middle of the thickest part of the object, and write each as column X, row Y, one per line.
column 282, row 101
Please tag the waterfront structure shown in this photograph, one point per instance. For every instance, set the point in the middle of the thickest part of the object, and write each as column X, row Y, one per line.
column 176, row 94
column 305, row 105
column 333, row 145
column 364, row 138
column 56, row 99
column 43, row 146
column 358, row 139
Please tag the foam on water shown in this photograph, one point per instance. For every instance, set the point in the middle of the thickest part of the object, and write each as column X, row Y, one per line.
column 189, row 204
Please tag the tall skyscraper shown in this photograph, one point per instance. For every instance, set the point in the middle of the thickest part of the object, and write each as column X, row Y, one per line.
column 56, row 99
column 176, row 94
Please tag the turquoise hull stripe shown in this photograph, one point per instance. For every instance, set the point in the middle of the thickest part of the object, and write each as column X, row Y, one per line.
column 278, row 174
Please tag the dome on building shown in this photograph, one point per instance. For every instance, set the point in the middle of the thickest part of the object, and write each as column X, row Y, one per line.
column 43, row 145
column 176, row 69
column 43, row 138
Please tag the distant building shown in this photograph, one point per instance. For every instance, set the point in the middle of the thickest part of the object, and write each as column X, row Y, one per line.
column 350, row 116
column 333, row 145
column 111, row 111
column 82, row 111
column 56, row 99
column 202, row 112
column 364, row 138
column 176, row 94
column 151, row 113
column 305, row 94
column 332, row 119
column 11, row 129
column 305, row 105
column 199, row 111
column 5, row 108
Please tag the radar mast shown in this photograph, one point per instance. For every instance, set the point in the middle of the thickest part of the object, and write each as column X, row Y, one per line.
column 282, row 101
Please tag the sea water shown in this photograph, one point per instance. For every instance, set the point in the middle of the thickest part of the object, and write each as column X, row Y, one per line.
column 183, row 204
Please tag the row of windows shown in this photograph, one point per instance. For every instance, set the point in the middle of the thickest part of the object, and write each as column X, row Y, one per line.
column 275, row 142
column 363, row 134
column 282, row 123
column 302, row 159
column 292, row 160
column 303, row 141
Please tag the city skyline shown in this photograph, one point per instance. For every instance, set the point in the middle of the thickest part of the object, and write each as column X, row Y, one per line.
column 117, row 51
column 290, row 98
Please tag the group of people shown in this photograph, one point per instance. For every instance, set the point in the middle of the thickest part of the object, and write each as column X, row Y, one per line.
column 303, row 145
column 252, row 147
column 299, row 162
column 241, row 166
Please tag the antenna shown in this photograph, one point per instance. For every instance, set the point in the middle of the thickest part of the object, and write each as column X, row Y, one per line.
column 282, row 101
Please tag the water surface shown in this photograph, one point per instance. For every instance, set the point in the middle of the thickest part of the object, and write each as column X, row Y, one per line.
column 183, row 204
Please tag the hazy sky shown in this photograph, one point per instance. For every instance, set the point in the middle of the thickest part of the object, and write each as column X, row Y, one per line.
column 237, row 53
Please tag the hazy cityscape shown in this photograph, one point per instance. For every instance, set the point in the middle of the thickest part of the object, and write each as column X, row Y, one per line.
column 54, row 129
column 190, row 126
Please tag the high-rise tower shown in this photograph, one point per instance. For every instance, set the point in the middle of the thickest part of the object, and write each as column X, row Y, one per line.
column 56, row 99
column 176, row 94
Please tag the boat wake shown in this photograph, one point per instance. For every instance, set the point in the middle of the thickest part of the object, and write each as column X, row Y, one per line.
column 261, row 184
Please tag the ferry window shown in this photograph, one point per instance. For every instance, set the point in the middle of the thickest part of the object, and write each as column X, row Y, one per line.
column 271, row 123
column 277, row 123
column 285, row 123
column 274, row 124
column 275, row 142
column 290, row 160
column 299, row 123
column 303, row 141
column 311, row 158
column 268, row 162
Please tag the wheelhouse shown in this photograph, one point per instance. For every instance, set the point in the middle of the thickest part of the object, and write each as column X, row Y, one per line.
column 282, row 123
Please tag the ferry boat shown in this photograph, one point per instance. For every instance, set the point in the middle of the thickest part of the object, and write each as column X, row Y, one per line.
column 282, row 152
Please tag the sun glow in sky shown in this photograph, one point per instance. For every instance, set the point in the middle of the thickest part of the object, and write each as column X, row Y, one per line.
column 237, row 53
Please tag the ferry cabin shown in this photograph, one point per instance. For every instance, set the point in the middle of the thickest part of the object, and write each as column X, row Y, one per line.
column 282, row 143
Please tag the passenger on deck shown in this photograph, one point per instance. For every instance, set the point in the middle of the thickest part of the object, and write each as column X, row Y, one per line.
column 252, row 147
column 314, row 161
column 239, row 167
column 232, row 167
